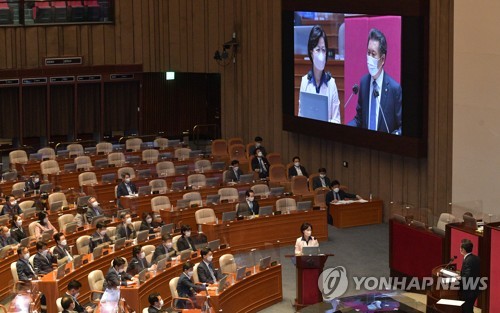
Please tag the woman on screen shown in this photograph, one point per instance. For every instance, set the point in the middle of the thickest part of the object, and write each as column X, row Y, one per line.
column 317, row 81
column 306, row 240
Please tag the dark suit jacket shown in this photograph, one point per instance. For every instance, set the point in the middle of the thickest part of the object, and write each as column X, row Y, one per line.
column 120, row 231
column 119, row 279
column 317, row 182
column 182, row 243
column 256, row 165
column 8, row 241
column 292, row 171
column 122, row 189
column 152, row 309
column 244, row 208
column 135, row 266
column 78, row 307
column 18, row 233
column 186, row 288
column 390, row 104
column 43, row 265
column 60, row 252
column 231, row 176
column 31, row 185
column 96, row 240
column 470, row 270
column 252, row 150
column 204, row 274
column 24, row 270
column 150, row 227
column 161, row 250
column 343, row 195
column 93, row 212
column 11, row 210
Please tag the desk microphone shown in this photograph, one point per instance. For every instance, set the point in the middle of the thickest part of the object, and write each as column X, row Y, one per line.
column 451, row 261
column 376, row 94
column 355, row 89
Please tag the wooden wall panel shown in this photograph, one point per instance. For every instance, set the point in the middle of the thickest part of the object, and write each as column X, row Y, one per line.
column 182, row 35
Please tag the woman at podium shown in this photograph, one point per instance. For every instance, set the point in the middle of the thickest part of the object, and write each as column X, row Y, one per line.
column 306, row 240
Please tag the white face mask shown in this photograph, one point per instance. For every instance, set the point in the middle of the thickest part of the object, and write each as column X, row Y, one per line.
column 45, row 220
column 322, row 175
column 121, row 270
column 149, row 220
column 372, row 65
column 297, row 164
column 161, row 303
column 257, row 144
column 127, row 180
column 103, row 232
column 7, row 234
column 190, row 274
column 188, row 233
column 128, row 220
column 36, row 180
column 95, row 204
column 210, row 258
column 235, row 168
column 169, row 245
column 19, row 223
column 259, row 154
column 319, row 60
column 250, row 199
column 336, row 189
column 142, row 255
column 307, row 233
column 64, row 242
column 27, row 256
column 45, row 252
column 13, row 203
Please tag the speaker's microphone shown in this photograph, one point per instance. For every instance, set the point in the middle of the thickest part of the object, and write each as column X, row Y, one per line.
column 355, row 90
column 376, row 94
column 451, row 261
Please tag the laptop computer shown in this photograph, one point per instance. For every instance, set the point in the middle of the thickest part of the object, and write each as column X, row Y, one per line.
column 70, row 228
column 181, row 169
column 301, row 39
column 25, row 242
column 90, row 150
column 195, row 153
column 200, row 246
column 142, row 236
column 108, row 178
column 264, row 263
column 276, row 191
column 147, row 145
column 18, row 193
column 212, row 182
column 173, row 142
column 46, row 188
column 310, row 250
column 178, row 185
column 161, row 264
column 63, row 154
column 165, row 156
column 97, row 253
column 82, row 201
column 145, row 173
column 142, row 275
column 119, row 243
column 29, row 213
column 166, row 229
column 240, row 273
column 222, row 284
column 246, row 178
column 313, row 106
column 61, row 271
column 9, row 176
column 185, row 255
column 213, row 199
column 47, row 235
column 266, row 210
column 218, row 166
column 102, row 163
column 214, row 244
column 182, row 203
column 71, row 167
column 98, row 219
column 56, row 206
column 228, row 216
column 118, row 147
column 242, row 195
column 36, row 157
column 304, row 205
column 4, row 252
column 133, row 159
column 77, row 261
column 144, row 190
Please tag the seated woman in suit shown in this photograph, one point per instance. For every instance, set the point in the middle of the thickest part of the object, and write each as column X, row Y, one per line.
column 185, row 286
column 148, row 223
column 139, row 262
column 43, row 225
column 16, row 230
column 185, row 242
column 306, row 240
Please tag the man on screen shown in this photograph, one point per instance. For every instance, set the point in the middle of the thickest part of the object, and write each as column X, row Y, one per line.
column 379, row 102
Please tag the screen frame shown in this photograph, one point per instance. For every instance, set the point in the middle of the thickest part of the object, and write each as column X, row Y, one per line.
column 414, row 63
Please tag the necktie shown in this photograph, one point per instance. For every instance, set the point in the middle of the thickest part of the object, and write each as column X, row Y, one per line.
column 236, row 174
column 211, row 273
column 126, row 231
column 323, row 182
column 373, row 108
column 262, row 165
column 129, row 190
column 31, row 268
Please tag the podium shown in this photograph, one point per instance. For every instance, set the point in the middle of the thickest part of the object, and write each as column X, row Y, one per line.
column 308, row 268
column 438, row 292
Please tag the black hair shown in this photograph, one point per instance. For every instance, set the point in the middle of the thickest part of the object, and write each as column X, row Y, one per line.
column 13, row 222
column 185, row 228
column 166, row 237
column 145, row 215
column 305, row 226
column 118, row 262
column 125, row 174
column 247, row 193
column 40, row 245
column 20, row 250
column 234, row 162
column 41, row 217
column 322, row 170
column 57, row 236
column 258, row 139
column 334, row 182
column 186, row 266
column 316, row 33
column 295, row 157
column 99, row 225
column 467, row 245
column 7, row 197
column 136, row 250
column 66, row 302
column 377, row 35
column 153, row 298
column 256, row 151
column 74, row 284
column 205, row 251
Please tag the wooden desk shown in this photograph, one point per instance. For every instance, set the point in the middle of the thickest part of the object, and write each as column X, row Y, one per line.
column 24, row 301
column 53, row 288
column 187, row 216
column 357, row 213
column 282, row 229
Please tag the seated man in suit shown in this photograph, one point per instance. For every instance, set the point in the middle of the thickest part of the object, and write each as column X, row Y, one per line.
column 297, row 169
column 73, row 291
column 93, row 209
column 234, row 172
column 258, row 145
column 126, row 187
column 23, row 267
column 17, row 231
column 185, row 286
column 321, row 181
column 68, row 304
column 469, row 276
column 185, row 241
column 125, row 229
column 380, row 96
column 33, row 182
column 117, row 274
column 6, row 238
column 99, row 237
column 165, row 248
column 62, row 250
column 206, row 271
column 43, row 259
column 336, row 194
column 250, row 206
column 155, row 303
column 11, row 207
column 139, row 262
column 260, row 164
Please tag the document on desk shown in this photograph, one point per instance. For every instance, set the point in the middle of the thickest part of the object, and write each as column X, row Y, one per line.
column 450, row 302
column 448, row 273
column 362, row 201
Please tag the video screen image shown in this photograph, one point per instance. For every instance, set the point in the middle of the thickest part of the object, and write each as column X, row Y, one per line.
column 347, row 70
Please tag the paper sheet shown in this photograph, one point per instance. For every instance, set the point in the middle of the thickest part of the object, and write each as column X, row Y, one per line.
column 450, row 302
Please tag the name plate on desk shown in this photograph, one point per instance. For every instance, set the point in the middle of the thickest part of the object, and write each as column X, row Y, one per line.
column 7, row 82
column 85, row 78
column 63, row 61
column 34, row 80
column 121, row 76
column 62, row 79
